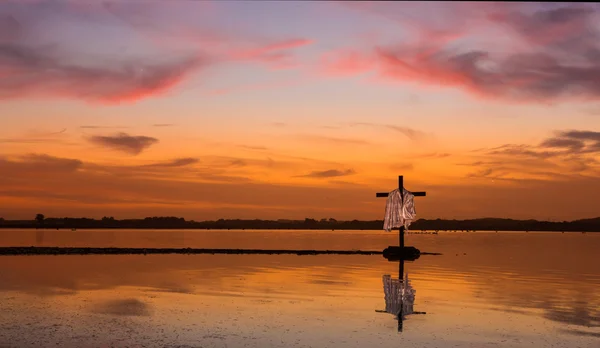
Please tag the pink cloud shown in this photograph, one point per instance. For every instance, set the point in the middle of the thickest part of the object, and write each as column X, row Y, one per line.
column 346, row 62
column 560, row 58
column 51, row 71
column 275, row 54
column 37, row 72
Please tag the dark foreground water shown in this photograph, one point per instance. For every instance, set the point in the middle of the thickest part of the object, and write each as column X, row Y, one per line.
column 486, row 290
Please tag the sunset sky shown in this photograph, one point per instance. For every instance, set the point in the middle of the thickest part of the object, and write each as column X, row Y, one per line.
column 263, row 109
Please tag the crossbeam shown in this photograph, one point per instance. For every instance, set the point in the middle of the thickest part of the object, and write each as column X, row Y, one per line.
column 416, row 194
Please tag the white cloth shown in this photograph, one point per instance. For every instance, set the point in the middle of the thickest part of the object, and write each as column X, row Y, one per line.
column 398, row 213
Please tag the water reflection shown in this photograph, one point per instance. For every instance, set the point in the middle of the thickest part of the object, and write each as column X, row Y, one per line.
column 124, row 307
column 39, row 237
column 483, row 291
column 399, row 296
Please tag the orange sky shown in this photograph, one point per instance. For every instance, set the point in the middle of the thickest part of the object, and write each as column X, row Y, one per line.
column 272, row 110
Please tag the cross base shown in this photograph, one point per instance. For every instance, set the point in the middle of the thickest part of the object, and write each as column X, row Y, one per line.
column 396, row 253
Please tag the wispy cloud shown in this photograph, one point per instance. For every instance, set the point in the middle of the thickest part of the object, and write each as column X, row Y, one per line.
column 163, row 125
column 331, row 173
column 566, row 153
column 39, row 138
column 124, row 142
column 251, row 147
column 101, row 127
column 433, row 155
column 41, row 163
column 346, row 62
column 276, row 54
column 411, row 133
column 334, row 140
column 238, row 163
column 199, row 191
column 179, row 162
column 564, row 143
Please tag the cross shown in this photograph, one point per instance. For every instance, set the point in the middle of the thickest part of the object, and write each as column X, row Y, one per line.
column 401, row 187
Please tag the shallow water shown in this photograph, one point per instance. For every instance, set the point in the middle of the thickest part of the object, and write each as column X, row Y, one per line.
column 486, row 290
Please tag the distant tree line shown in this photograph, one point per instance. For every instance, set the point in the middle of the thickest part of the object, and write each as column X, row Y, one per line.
column 171, row 222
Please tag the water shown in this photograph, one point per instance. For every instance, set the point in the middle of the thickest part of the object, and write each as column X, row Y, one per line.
column 486, row 290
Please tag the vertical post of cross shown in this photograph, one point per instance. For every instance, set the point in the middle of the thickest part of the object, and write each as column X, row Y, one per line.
column 401, row 230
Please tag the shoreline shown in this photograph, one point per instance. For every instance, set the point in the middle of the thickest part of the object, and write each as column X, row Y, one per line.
column 409, row 231
column 32, row 250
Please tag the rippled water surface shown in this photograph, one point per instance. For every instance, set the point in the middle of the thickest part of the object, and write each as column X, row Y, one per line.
column 487, row 290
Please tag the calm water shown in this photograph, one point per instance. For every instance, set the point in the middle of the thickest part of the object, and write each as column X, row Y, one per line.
column 486, row 290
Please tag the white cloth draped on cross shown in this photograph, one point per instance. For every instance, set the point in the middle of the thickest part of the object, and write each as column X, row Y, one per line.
column 397, row 212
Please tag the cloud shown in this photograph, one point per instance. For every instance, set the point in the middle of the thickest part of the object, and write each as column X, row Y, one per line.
column 179, row 162
column 124, row 142
column 548, row 26
column 565, row 154
column 249, row 147
column 238, row 163
column 521, row 150
column 39, row 71
column 484, row 173
column 276, row 54
column 539, row 56
column 581, row 135
column 564, row 143
column 39, row 138
column 408, row 132
column 31, row 140
column 152, row 56
column 203, row 191
column 335, row 140
column 224, row 162
column 331, row 173
column 346, row 62
column 199, row 192
column 574, row 142
column 101, row 127
column 163, row 125
column 38, row 163
column 434, row 155
column 523, row 77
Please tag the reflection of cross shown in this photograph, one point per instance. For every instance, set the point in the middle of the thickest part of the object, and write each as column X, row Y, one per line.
column 401, row 189
column 399, row 297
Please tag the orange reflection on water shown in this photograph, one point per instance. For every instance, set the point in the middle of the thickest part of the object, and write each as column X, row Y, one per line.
column 479, row 298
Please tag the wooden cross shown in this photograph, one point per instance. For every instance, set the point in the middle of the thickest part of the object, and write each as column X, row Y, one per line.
column 401, row 188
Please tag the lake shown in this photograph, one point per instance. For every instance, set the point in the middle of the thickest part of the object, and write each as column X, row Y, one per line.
column 507, row 289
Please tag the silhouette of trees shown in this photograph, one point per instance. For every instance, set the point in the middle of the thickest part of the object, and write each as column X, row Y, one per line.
column 171, row 222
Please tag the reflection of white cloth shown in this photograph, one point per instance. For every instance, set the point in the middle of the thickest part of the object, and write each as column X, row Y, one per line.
column 398, row 213
column 398, row 294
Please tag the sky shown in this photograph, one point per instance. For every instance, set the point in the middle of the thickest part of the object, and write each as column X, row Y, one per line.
column 269, row 110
